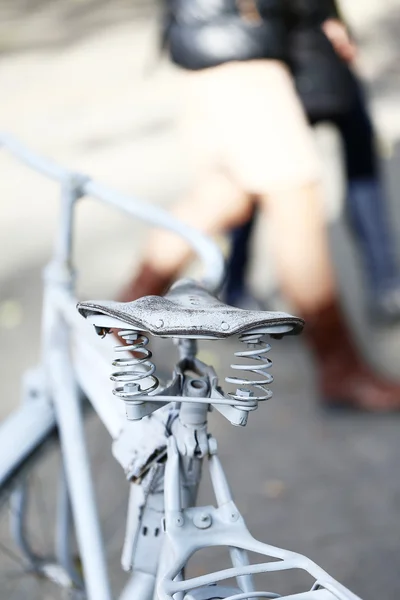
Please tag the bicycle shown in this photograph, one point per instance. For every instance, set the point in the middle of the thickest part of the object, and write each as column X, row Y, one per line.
column 159, row 430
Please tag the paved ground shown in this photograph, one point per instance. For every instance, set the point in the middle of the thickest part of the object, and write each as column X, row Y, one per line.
column 83, row 84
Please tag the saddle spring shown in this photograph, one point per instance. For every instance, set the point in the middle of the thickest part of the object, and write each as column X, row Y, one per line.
column 133, row 369
column 257, row 349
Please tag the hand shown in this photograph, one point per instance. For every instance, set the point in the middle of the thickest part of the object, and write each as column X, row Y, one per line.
column 338, row 35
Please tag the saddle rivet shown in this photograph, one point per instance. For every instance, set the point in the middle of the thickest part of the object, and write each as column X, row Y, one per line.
column 159, row 323
column 224, row 326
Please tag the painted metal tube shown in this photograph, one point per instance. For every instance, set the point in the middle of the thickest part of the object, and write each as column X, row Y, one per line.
column 38, row 163
column 22, row 432
column 207, row 250
column 77, row 469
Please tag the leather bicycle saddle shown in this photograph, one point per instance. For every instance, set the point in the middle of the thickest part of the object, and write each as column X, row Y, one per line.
column 189, row 310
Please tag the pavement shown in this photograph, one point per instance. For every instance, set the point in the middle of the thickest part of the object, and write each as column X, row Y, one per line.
column 82, row 83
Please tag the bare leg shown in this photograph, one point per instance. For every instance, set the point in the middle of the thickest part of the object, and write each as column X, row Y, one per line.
column 217, row 204
column 299, row 246
column 301, row 252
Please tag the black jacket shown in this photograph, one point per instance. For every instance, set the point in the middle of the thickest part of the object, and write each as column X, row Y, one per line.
column 206, row 33
column 310, row 12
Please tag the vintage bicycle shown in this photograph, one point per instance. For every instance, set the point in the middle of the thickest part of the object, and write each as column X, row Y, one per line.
column 158, row 428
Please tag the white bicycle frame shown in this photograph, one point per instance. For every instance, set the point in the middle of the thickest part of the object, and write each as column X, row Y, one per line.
column 73, row 359
column 88, row 364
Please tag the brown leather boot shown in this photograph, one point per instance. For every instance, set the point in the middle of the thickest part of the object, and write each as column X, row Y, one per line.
column 147, row 282
column 345, row 379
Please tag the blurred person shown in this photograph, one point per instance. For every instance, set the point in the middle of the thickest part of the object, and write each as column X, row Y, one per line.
column 331, row 92
column 246, row 129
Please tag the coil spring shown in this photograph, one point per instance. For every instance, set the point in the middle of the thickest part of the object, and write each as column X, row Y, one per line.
column 134, row 369
column 257, row 349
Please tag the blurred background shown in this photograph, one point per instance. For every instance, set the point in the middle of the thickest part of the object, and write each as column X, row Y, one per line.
column 82, row 81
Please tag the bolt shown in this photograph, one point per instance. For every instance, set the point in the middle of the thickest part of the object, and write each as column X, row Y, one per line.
column 131, row 387
column 131, row 410
column 243, row 393
column 234, row 516
column 159, row 323
column 202, row 521
column 243, row 420
column 179, row 521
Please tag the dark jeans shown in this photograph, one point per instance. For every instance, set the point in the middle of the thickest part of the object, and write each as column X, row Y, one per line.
column 366, row 207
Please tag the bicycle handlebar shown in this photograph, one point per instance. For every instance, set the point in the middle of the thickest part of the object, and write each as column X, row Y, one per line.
column 204, row 247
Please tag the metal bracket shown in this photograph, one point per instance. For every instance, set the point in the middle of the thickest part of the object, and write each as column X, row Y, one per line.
column 190, row 390
column 192, row 529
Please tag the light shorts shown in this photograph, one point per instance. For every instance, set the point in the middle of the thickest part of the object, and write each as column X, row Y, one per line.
column 246, row 118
